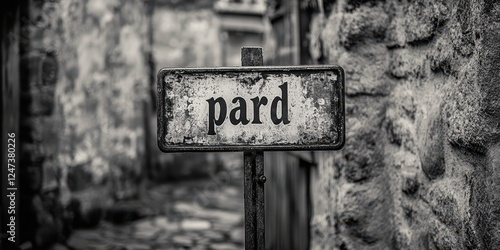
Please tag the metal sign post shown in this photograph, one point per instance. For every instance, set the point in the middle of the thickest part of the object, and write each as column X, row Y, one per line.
column 254, row 178
column 251, row 109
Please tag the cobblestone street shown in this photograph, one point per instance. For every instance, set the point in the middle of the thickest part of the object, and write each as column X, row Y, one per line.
column 201, row 214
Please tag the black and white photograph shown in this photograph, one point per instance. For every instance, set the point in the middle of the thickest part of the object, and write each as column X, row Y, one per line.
column 250, row 124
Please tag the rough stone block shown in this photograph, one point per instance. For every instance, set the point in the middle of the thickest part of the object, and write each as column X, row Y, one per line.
column 409, row 182
column 423, row 19
column 365, row 24
column 365, row 212
column 362, row 156
column 462, row 109
column 442, row 237
column 369, row 80
column 445, row 206
column 405, row 64
column 432, row 147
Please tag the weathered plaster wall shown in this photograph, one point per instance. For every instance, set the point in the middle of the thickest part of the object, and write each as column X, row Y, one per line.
column 85, row 81
column 103, row 85
column 420, row 168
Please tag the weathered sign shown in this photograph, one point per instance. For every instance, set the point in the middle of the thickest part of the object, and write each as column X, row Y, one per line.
column 251, row 108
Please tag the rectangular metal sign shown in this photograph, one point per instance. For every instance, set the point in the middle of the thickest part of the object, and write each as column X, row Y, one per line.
column 251, row 108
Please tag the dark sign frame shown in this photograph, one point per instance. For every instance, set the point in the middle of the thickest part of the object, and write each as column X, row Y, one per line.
column 162, row 122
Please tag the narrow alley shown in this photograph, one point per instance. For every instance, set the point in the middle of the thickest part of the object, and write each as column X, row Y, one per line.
column 196, row 214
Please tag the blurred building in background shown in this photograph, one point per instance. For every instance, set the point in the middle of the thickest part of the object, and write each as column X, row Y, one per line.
column 241, row 24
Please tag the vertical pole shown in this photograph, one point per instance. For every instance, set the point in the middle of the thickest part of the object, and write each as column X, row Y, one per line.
column 253, row 175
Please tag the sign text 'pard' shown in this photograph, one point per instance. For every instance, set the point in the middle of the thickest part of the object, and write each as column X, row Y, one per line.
column 251, row 108
column 239, row 113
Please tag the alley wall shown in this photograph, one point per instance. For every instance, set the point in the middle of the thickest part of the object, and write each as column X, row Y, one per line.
column 88, row 122
column 420, row 167
column 84, row 84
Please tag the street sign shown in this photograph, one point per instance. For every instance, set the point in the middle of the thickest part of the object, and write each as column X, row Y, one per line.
column 251, row 108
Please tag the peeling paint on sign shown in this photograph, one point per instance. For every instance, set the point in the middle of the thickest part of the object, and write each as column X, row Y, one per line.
column 249, row 108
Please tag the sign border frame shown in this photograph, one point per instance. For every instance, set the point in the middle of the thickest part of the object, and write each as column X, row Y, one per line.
column 161, row 121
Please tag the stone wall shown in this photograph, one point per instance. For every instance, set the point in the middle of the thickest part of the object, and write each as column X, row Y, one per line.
column 87, row 104
column 420, row 168
column 103, row 85
column 84, row 83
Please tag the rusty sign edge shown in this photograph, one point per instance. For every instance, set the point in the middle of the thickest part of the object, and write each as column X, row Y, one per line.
column 161, row 122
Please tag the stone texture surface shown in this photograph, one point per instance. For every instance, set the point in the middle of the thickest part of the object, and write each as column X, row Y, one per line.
column 420, row 166
column 101, row 92
column 178, row 220
column 84, row 83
